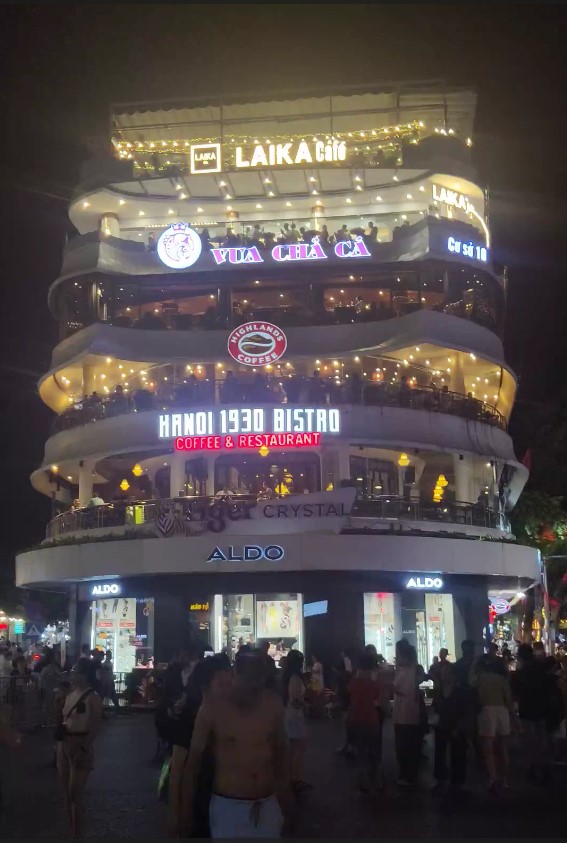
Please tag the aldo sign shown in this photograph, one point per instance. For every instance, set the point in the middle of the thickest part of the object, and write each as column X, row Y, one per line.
column 248, row 553
column 430, row 583
column 106, row 590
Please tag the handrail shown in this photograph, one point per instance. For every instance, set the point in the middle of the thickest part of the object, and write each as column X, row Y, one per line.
column 290, row 390
column 198, row 509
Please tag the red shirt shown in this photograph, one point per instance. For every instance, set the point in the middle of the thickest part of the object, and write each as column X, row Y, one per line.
column 364, row 697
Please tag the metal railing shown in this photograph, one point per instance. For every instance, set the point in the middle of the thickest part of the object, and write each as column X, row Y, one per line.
column 200, row 510
column 280, row 390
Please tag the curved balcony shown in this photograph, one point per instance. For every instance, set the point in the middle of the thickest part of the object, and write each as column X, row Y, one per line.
column 294, row 390
column 376, row 515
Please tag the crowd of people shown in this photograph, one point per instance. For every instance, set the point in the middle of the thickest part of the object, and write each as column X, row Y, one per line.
column 234, row 734
column 268, row 389
column 289, row 233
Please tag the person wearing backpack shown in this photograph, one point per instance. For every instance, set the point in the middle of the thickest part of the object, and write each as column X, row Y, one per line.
column 76, row 733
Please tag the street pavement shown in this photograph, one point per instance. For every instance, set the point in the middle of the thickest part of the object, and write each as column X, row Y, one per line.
column 122, row 802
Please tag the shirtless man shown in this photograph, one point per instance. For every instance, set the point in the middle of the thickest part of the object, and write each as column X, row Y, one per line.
column 251, row 771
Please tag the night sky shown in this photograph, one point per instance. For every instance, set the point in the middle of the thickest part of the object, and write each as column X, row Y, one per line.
column 64, row 65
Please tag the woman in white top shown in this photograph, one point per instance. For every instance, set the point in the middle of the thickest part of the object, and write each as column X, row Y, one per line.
column 408, row 731
column 295, row 726
column 80, row 717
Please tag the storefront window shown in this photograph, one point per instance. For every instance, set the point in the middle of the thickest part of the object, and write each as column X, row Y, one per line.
column 379, row 624
column 125, row 626
column 284, row 473
column 254, row 618
column 425, row 620
column 373, row 477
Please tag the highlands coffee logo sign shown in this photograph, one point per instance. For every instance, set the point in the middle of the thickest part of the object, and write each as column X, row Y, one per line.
column 257, row 343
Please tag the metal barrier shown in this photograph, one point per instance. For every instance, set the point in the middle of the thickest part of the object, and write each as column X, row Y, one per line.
column 23, row 704
column 200, row 509
column 294, row 390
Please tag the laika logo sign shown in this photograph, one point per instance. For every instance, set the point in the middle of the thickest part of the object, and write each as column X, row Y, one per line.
column 205, row 158
column 425, row 582
column 248, row 553
column 106, row 590
column 257, row 343
column 179, row 247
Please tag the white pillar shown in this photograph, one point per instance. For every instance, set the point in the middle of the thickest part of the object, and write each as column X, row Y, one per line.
column 89, row 380
column 464, row 486
column 210, row 482
column 343, row 467
column 109, row 225
column 458, row 379
column 85, row 481
column 177, row 475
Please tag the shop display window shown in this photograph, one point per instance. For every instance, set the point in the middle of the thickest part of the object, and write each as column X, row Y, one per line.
column 254, row 618
column 379, row 623
column 440, row 625
column 125, row 626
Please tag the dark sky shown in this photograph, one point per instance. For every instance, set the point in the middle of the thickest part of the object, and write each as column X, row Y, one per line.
column 63, row 65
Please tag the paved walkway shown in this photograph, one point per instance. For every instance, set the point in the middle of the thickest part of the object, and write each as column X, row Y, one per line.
column 122, row 794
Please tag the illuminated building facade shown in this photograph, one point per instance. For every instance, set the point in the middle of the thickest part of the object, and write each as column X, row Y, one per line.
column 280, row 390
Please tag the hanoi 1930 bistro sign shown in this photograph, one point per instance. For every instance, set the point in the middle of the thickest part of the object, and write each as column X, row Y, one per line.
column 249, row 428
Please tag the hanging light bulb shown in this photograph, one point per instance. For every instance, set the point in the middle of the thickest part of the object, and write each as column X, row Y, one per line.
column 137, row 470
column 124, row 485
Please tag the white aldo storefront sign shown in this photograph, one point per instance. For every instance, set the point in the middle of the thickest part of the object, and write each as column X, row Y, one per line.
column 106, row 590
column 430, row 583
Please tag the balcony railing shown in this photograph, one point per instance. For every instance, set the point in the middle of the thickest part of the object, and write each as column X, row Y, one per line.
column 198, row 509
column 285, row 390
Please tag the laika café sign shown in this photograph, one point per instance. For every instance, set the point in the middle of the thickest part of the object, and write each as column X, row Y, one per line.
column 289, row 154
column 257, row 343
column 249, row 428
column 452, row 198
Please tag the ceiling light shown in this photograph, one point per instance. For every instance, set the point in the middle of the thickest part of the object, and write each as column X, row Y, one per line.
column 178, row 187
column 171, row 211
column 288, row 204
column 267, row 181
column 222, row 183
column 183, row 196
column 199, row 210
column 348, row 200
column 86, row 204
column 122, row 202
column 141, row 214
column 258, row 205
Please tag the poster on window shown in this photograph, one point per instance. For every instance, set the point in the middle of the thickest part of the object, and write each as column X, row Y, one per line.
column 115, row 625
column 277, row 619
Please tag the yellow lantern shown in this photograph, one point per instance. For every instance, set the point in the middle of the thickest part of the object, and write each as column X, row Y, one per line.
column 124, row 485
column 330, row 487
column 263, row 451
column 442, row 480
column 403, row 460
column 137, row 470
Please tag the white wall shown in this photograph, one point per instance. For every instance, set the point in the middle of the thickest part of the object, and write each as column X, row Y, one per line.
column 306, row 552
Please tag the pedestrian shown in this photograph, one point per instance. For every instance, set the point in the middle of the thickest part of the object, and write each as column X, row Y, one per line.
column 534, row 690
column 245, row 729
column 295, row 725
column 444, row 682
column 490, row 677
column 48, row 682
column 211, row 679
column 408, row 729
column 107, row 686
column 365, row 722
column 343, row 675
column 82, row 711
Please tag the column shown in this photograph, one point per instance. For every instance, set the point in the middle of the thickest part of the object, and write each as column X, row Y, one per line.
column 89, row 379
column 343, row 465
column 210, row 481
column 462, row 466
column 177, row 475
column 109, row 225
column 458, row 379
column 86, row 481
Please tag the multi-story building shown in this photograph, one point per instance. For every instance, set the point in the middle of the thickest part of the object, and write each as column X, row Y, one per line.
column 280, row 389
